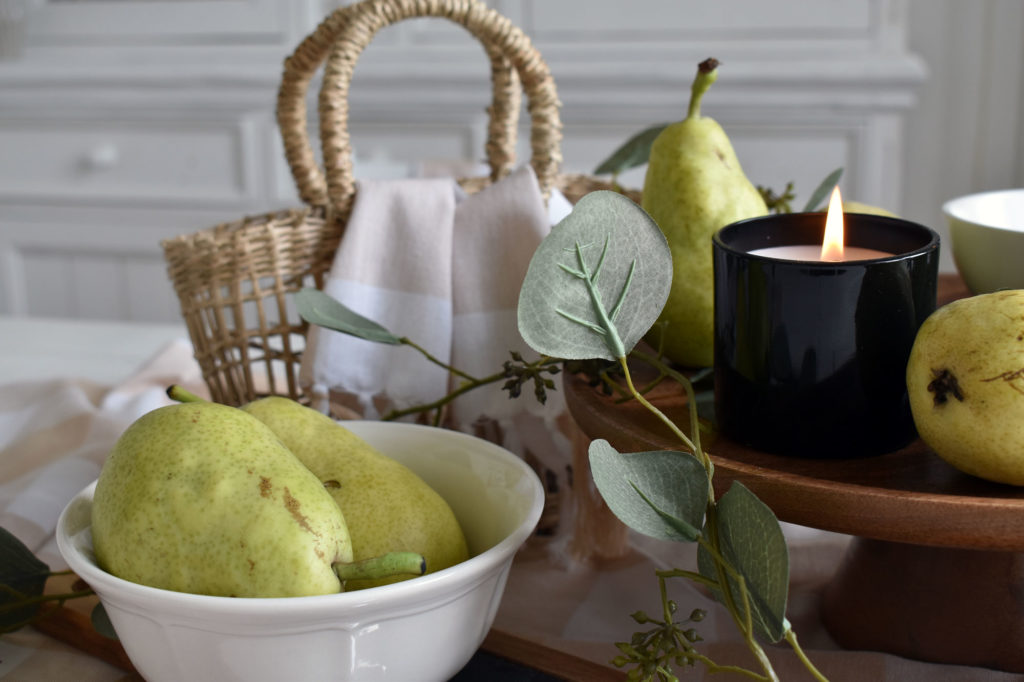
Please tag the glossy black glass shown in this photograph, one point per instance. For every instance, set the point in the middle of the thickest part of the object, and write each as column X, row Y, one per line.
column 810, row 357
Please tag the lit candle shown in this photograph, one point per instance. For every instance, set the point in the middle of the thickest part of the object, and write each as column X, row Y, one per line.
column 832, row 249
column 811, row 348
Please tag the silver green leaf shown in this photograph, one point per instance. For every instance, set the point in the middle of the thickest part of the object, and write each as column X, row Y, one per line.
column 752, row 542
column 597, row 282
column 661, row 494
column 823, row 190
column 318, row 308
column 634, row 152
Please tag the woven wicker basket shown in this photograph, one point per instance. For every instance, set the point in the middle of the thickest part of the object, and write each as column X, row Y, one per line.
column 235, row 280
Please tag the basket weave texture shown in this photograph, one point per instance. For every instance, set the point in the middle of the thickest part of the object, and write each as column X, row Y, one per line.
column 235, row 280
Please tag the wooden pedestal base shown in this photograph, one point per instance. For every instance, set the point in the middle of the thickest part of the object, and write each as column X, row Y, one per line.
column 957, row 606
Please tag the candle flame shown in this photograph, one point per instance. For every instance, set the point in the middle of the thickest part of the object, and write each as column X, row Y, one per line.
column 832, row 244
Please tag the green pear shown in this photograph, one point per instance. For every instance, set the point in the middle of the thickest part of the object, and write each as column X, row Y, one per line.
column 965, row 380
column 388, row 507
column 694, row 186
column 204, row 498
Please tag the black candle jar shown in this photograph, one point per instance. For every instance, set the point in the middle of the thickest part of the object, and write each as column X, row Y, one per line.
column 810, row 356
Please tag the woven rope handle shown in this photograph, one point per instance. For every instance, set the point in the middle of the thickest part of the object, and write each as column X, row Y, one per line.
column 341, row 38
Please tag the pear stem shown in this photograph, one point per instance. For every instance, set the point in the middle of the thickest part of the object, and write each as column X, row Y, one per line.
column 383, row 566
column 707, row 73
column 183, row 395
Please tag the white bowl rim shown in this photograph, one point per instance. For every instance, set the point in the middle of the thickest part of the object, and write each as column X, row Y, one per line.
column 953, row 208
column 401, row 593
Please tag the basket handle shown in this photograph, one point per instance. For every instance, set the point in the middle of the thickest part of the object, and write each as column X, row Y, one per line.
column 342, row 37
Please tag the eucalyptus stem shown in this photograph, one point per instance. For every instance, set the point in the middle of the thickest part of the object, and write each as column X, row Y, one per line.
column 713, row 667
column 445, row 399
column 653, row 383
column 441, row 363
column 691, row 400
column 742, row 617
column 42, row 599
column 690, row 652
column 651, row 408
column 470, row 384
column 689, row 575
column 36, row 600
column 791, row 639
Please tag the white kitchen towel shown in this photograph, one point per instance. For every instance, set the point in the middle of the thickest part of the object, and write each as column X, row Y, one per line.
column 444, row 270
column 497, row 231
column 394, row 266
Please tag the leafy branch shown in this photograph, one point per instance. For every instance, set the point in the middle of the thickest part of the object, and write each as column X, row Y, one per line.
column 317, row 307
column 632, row 153
column 742, row 555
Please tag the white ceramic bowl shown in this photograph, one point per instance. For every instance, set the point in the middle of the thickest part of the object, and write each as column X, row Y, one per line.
column 987, row 233
column 425, row 628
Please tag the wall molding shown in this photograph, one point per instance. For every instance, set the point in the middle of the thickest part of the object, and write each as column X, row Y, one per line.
column 805, row 87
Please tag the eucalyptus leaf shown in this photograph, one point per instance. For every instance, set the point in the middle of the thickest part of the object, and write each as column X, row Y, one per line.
column 661, row 494
column 822, row 191
column 22, row 576
column 101, row 622
column 318, row 308
column 634, row 152
column 597, row 282
column 752, row 542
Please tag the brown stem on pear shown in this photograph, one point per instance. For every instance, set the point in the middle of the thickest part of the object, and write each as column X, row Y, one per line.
column 707, row 73
column 384, row 566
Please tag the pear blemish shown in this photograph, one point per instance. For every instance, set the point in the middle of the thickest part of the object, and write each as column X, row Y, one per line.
column 964, row 411
column 944, row 385
column 294, row 506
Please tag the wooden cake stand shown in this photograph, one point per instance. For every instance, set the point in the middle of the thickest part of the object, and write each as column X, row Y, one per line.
column 936, row 570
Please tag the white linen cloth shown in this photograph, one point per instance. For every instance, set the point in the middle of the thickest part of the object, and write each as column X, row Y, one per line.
column 443, row 269
column 56, row 434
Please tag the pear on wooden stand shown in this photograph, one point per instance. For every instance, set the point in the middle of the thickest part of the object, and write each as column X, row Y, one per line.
column 203, row 498
column 694, row 186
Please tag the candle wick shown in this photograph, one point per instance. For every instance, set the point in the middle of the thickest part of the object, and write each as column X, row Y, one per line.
column 832, row 252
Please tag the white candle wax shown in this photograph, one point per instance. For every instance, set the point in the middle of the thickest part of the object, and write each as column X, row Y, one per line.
column 810, row 252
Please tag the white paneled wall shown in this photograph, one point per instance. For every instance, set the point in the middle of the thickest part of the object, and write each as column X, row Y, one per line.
column 967, row 132
column 122, row 123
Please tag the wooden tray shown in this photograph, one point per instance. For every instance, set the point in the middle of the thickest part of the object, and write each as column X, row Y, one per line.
column 908, row 496
column 936, row 568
